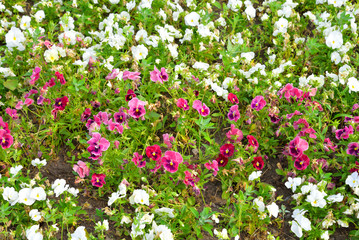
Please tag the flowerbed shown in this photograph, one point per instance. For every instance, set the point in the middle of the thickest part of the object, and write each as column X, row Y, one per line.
column 145, row 107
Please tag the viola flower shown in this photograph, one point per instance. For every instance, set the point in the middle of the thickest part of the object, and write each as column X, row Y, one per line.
column 168, row 140
column 130, row 94
column 190, row 179
column 114, row 125
column 233, row 98
column 252, row 141
column 329, row 145
column 182, row 103
column 12, row 113
column 302, row 162
column 131, row 75
column 212, row 165
column 258, row 103
column 85, row 115
column 344, row 133
column 98, row 180
column 35, row 75
column 157, row 76
column 274, row 118
column 202, row 109
column 137, row 108
column 60, row 103
column 28, row 101
column 81, row 169
column 19, row 105
column 97, row 145
column 154, row 152
column 6, row 140
column 227, row 150
column 112, row 75
column 137, row 160
column 171, row 161
column 233, row 113
column 40, row 100
column 297, row 146
column 234, row 135
column 221, row 160
column 95, row 104
column 353, row 149
column 196, row 93
column 258, row 163
column 60, row 77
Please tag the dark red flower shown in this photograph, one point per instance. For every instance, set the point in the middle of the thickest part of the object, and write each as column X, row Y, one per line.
column 227, row 150
column 258, row 163
column 154, row 152
column 252, row 141
column 302, row 162
column 196, row 93
column 86, row 115
column 61, row 103
column 60, row 77
column 233, row 98
column 222, row 160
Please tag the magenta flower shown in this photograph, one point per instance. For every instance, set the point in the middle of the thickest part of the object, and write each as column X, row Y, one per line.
column 344, row 133
column 154, row 152
column 182, row 103
column 137, row 108
column 28, row 101
column 202, row 109
column 302, row 162
column 234, row 135
column 297, row 146
column 221, row 160
column 115, row 72
column 227, row 150
column 114, row 125
column 252, row 142
column 130, row 94
column 168, row 140
column 97, row 145
column 35, row 75
column 157, row 76
column 60, row 103
column 12, row 113
column 233, row 98
column 300, row 121
column 86, row 115
column 233, row 113
column 353, row 149
column 120, row 117
column 60, row 77
column 98, row 180
column 171, row 161
column 212, row 165
column 329, row 145
column 6, row 140
column 131, row 75
column 82, row 169
column 190, row 179
column 116, row 144
column 137, row 160
column 258, row 163
column 258, row 103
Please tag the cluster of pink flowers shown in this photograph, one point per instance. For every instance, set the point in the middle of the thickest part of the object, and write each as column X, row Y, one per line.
column 98, row 145
column 6, row 140
column 297, row 147
column 202, row 109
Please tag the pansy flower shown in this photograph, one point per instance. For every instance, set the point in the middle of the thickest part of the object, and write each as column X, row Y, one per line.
column 154, row 152
column 12, row 113
column 130, row 94
column 98, row 180
column 60, row 103
column 112, row 75
column 233, row 114
column 227, row 150
column 221, row 160
column 190, row 179
column 167, row 139
column 258, row 103
column 6, row 140
column 212, row 165
column 302, row 162
column 171, row 161
column 182, row 103
column 137, row 160
column 137, row 108
column 86, row 115
column 297, row 146
column 157, row 76
column 233, row 98
column 344, row 133
column 353, row 149
column 202, row 109
column 60, row 77
column 252, row 142
column 35, row 75
column 131, row 75
column 81, row 169
column 234, row 135
column 258, row 163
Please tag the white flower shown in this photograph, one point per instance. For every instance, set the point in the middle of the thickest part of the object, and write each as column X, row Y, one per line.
column 334, row 39
column 114, row 1
column 37, row 163
column 10, row 195
column 344, row 72
column 25, row 22
column 352, row 180
column 51, row 55
column 215, row 218
column 343, row 223
column 325, row 235
column 15, row 170
column 335, row 57
column 254, row 175
column 140, row 196
column 273, row 209
column 201, row 66
column 296, row 228
column 145, row 4
column 237, row 39
column 125, row 219
column 248, row 56
column 336, row 3
column 335, row 198
column 173, row 50
column 39, row 15
column 147, row 218
column 293, row 183
column 104, row 225
column 165, row 212
column 258, row 202
column 316, row 198
column 221, row 235
column 131, row 5
column 79, row 234
column 234, row 5
column 73, row 191
column 139, row 52
column 141, row 35
column 309, row 187
column 35, row 214
column 38, row 193
column 25, row 196
column 250, row 12
column 59, row 186
column 192, row 19
column 353, row 84
column 33, row 234
column 18, row 8
column 280, row 26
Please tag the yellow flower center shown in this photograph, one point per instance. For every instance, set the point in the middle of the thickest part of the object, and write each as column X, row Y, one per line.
column 154, row 154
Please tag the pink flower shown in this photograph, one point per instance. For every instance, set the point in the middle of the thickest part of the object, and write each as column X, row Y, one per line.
column 97, row 145
column 35, row 75
column 131, row 75
column 82, row 169
column 297, row 146
column 115, row 72
column 137, row 160
column 168, row 140
column 190, row 179
column 234, row 135
column 258, row 103
column 157, row 76
column 212, row 165
column 6, row 140
column 98, row 180
column 182, row 103
column 19, row 105
column 154, row 152
column 60, row 77
column 252, row 142
column 233, row 113
column 302, row 162
column 202, row 109
column 137, row 108
column 116, row 144
column 12, row 113
column 28, row 101
column 171, row 161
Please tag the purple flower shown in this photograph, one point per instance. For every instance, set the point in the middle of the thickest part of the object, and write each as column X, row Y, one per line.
column 355, row 107
column 297, row 146
column 171, row 161
column 344, row 133
column 157, row 76
column 6, row 140
column 202, row 109
column 258, row 103
column 233, row 113
column 353, row 149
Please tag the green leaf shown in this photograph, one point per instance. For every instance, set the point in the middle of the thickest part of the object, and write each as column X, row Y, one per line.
column 194, row 211
column 11, row 84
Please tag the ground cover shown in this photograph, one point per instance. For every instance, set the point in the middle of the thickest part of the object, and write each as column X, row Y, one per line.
column 179, row 119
